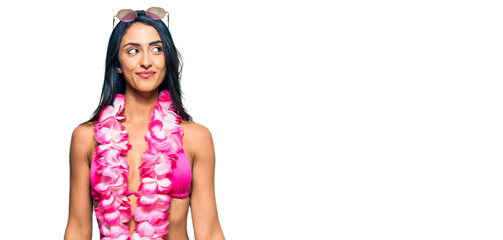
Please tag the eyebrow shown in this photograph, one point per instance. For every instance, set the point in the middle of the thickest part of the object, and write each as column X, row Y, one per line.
column 137, row 44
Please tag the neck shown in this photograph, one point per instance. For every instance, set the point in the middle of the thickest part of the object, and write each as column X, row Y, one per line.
column 139, row 105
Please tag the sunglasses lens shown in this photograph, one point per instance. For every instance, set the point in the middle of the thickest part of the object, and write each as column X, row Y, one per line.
column 156, row 13
column 153, row 16
column 126, row 15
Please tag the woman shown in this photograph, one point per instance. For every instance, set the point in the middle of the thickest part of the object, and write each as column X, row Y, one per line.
column 140, row 161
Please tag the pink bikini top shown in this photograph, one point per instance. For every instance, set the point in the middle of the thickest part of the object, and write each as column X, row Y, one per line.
column 180, row 179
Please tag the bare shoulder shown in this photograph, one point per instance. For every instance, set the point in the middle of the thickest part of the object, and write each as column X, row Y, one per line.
column 195, row 131
column 83, row 132
column 197, row 138
column 83, row 139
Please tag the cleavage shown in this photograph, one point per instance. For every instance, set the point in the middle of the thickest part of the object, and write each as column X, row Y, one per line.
column 134, row 155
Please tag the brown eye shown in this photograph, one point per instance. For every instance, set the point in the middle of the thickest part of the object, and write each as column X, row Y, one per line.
column 159, row 49
column 129, row 51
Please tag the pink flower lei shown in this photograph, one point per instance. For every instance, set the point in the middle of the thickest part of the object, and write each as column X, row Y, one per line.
column 164, row 141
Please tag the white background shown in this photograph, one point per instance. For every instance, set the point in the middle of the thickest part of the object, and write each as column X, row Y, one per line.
column 331, row 119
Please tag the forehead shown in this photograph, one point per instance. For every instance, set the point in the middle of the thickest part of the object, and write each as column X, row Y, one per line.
column 140, row 33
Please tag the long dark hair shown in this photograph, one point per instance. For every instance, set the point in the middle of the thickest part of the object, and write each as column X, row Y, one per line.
column 115, row 83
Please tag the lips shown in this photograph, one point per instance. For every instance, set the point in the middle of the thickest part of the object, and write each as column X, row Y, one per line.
column 146, row 74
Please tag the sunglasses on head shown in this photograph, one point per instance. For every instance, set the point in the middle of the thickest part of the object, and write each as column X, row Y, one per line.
column 128, row 15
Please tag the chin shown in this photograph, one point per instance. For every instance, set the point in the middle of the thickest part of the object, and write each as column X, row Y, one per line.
column 145, row 87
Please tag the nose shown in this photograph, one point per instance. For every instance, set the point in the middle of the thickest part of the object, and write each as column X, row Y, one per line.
column 146, row 62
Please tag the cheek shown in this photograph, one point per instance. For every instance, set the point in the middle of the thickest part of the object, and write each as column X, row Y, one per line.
column 129, row 64
column 161, row 66
column 161, row 63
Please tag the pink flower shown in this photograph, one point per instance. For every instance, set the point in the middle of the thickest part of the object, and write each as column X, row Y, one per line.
column 147, row 229
column 109, row 138
column 112, row 157
column 163, row 199
column 165, row 100
column 164, row 138
column 115, row 110
column 114, row 230
column 121, row 215
column 136, row 236
column 121, row 237
column 111, row 177
column 113, row 202
column 110, row 130
column 150, row 185
column 171, row 119
column 152, row 213
column 159, row 163
column 156, row 128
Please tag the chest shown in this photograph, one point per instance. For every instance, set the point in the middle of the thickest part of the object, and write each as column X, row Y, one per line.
column 181, row 177
column 134, row 155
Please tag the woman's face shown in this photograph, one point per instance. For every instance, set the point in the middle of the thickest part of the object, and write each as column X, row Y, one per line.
column 141, row 58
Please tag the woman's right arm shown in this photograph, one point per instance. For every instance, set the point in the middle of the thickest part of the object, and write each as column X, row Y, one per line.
column 79, row 224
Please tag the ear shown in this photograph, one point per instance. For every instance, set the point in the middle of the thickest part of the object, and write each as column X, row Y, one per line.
column 119, row 70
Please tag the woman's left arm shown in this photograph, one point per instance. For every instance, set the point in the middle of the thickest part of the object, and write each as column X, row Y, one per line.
column 202, row 203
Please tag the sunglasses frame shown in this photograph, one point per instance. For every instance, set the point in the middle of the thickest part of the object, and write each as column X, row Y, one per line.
column 148, row 12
